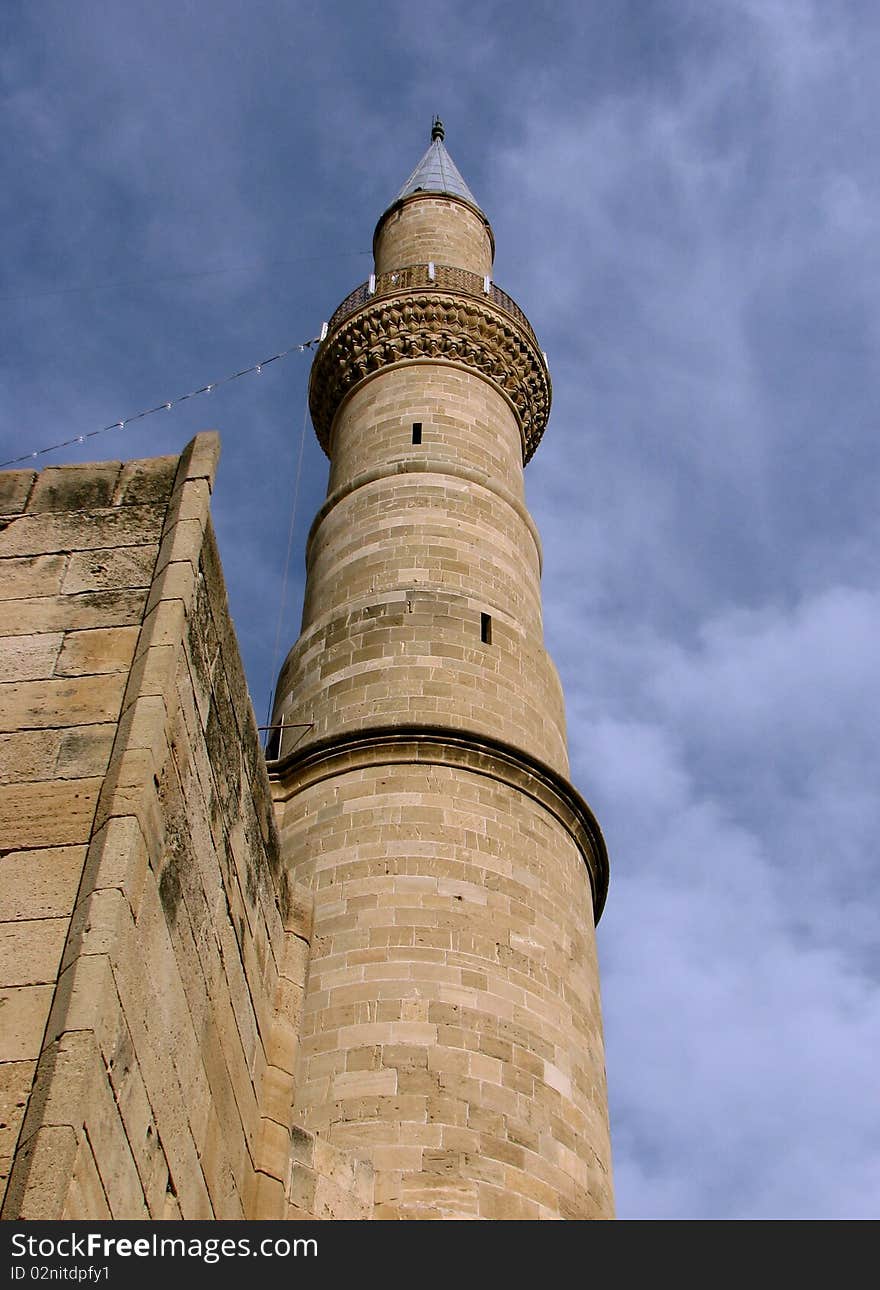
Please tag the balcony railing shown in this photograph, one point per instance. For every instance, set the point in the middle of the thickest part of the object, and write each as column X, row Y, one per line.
column 429, row 275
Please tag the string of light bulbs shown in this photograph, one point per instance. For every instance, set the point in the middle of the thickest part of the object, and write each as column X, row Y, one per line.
column 256, row 368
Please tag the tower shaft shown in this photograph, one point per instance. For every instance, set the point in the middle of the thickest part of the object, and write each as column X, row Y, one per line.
column 452, row 1029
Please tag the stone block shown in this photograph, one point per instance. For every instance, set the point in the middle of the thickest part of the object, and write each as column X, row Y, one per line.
column 295, row 959
column 301, row 1191
column 264, row 1198
column 199, row 458
column 130, row 790
column 41, row 1175
column 364, row 1083
column 28, row 755
column 30, row 951
column 183, row 535
column 175, row 1107
column 40, row 884
column 302, row 1146
column 273, row 1150
column 276, row 1095
column 333, row 1202
column 191, row 501
column 88, row 530
column 301, row 911
column 84, row 751
column 48, row 613
column 62, row 1083
column 65, row 701
column 16, row 1079
column 28, row 658
column 93, row 651
column 405, row 1158
column 145, row 724
column 100, row 921
column 496, row 1203
column 119, row 1175
column 164, row 625
column 139, row 1125
column 23, row 1014
column 226, row 1047
column 85, row 1000
column 113, row 569
column 177, row 581
column 74, row 487
column 118, row 857
column 337, row 1165
column 85, row 1199
column 15, row 488
column 24, row 578
column 142, row 482
column 218, row 1158
column 153, row 671
column 49, row 814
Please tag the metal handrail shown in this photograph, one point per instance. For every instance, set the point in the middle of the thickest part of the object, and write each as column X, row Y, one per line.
column 429, row 275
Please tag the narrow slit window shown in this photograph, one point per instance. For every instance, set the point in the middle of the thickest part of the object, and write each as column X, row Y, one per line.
column 417, row 432
column 486, row 629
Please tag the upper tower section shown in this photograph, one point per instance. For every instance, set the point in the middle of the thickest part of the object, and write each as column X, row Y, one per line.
column 431, row 300
column 434, row 218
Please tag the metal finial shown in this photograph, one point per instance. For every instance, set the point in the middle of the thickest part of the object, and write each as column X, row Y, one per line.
column 437, row 131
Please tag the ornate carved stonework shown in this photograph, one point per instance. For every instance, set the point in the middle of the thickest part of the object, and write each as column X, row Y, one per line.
column 439, row 326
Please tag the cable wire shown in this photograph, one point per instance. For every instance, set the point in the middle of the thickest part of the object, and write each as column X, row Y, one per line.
column 162, row 407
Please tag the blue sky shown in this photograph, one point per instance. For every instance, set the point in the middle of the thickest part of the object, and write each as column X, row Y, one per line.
column 684, row 198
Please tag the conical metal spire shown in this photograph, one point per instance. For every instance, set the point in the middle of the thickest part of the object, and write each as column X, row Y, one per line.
column 437, row 172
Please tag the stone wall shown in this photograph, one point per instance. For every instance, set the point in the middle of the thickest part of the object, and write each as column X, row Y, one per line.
column 153, row 953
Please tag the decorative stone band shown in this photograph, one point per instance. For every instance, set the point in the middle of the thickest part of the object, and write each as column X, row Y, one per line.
column 424, row 465
column 440, row 327
column 442, row 746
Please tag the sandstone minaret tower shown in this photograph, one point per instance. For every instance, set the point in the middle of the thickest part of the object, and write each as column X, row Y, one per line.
column 452, row 1029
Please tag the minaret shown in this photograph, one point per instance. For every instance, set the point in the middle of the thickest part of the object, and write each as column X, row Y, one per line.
column 452, row 1029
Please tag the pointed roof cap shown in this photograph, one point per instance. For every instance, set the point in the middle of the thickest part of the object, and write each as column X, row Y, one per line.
column 437, row 172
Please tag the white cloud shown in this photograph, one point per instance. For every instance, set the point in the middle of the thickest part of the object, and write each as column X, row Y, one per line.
column 737, row 788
